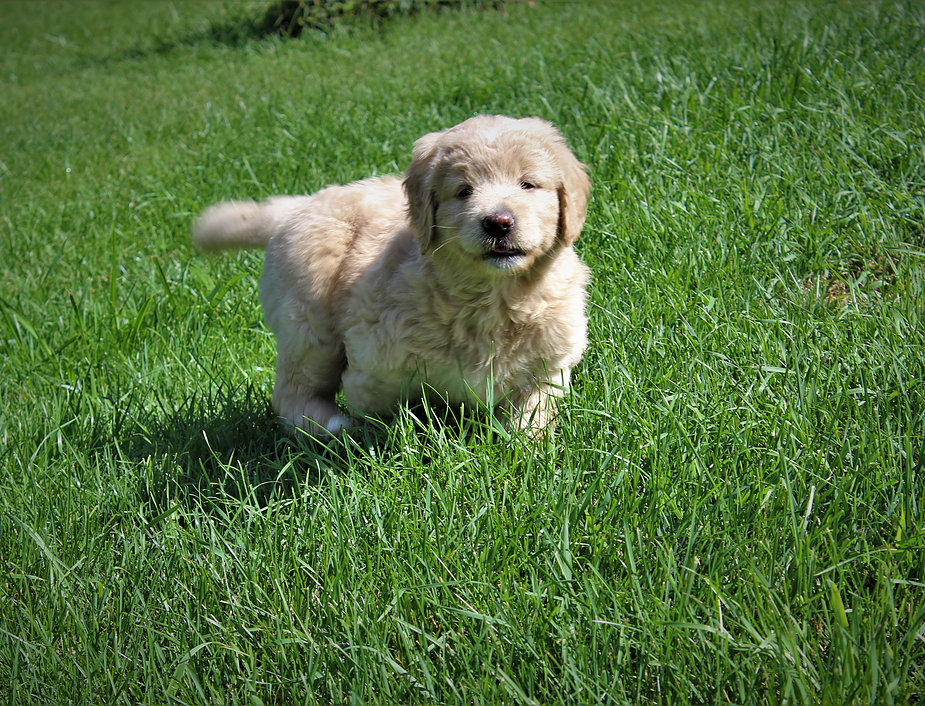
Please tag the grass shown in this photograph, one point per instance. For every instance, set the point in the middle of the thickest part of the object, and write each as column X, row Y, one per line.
column 732, row 509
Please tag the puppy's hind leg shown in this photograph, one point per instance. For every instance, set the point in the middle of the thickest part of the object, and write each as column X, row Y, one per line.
column 307, row 378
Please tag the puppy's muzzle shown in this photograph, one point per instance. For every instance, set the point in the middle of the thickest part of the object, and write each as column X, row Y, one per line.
column 498, row 224
column 498, row 228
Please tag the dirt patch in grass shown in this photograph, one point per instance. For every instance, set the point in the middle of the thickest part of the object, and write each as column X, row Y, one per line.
column 289, row 18
column 860, row 281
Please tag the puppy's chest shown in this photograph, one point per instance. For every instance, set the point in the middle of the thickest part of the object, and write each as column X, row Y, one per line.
column 459, row 358
column 458, row 378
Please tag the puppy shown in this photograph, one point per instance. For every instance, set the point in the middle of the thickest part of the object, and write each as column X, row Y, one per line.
column 458, row 280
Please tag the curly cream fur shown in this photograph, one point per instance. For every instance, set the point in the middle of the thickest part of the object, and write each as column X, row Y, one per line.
column 392, row 289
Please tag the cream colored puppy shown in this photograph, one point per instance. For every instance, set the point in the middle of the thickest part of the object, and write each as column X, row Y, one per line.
column 458, row 280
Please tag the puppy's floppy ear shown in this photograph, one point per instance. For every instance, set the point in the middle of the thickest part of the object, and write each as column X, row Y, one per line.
column 573, row 193
column 422, row 201
column 574, row 187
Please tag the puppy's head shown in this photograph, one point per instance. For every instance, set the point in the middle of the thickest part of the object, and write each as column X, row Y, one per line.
column 496, row 192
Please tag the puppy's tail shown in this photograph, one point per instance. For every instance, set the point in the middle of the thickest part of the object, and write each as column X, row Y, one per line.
column 236, row 224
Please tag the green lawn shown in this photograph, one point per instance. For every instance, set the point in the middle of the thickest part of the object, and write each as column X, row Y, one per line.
column 733, row 508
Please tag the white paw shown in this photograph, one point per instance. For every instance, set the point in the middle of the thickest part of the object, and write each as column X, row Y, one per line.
column 337, row 424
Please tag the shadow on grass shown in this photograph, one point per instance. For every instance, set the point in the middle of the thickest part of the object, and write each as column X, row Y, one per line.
column 226, row 448
column 231, row 447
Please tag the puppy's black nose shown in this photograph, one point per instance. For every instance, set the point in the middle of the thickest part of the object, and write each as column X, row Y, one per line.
column 498, row 224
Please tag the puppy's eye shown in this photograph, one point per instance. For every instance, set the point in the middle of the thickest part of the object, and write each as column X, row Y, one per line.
column 464, row 192
column 527, row 185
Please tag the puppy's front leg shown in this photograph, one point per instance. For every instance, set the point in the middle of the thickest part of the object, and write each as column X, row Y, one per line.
column 370, row 394
column 534, row 409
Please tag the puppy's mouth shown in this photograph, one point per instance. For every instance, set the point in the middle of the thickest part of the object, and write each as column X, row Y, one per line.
column 503, row 257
